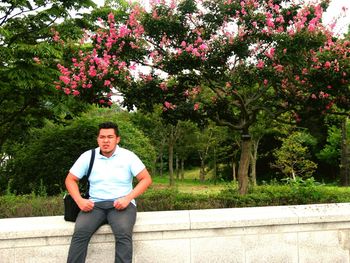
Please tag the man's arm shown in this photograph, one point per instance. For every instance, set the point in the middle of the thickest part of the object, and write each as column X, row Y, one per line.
column 73, row 188
column 144, row 181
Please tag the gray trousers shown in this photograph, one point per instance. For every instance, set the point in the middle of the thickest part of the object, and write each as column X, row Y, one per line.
column 87, row 223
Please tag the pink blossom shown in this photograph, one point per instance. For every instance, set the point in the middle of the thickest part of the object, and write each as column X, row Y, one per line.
column 196, row 106
column 169, row 105
column 65, row 79
column 327, row 65
column 67, row 91
column 163, row 86
column 311, row 27
column 92, row 71
column 132, row 67
column 110, row 17
column 199, row 40
column 195, row 52
column 203, row 47
column 270, row 23
column 123, row 31
column 189, row 48
column 323, row 95
column 76, row 92
column 37, row 60
column 329, row 105
column 279, row 68
column 155, row 14
column 270, row 53
column 134, row 46
column 56, row 36
column 260, row 64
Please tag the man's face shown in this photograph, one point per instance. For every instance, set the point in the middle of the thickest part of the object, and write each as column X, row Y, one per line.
column 107, row 141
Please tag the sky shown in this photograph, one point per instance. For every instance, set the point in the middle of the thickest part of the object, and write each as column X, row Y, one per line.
column 334, row 10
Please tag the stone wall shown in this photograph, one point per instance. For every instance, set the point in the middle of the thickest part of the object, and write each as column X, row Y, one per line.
column 300, row 234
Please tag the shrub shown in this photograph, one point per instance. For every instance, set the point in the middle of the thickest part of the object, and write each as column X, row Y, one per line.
column 44, row 161
column 172, row 199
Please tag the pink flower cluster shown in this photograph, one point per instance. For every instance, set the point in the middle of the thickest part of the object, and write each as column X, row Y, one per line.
column 102, row 65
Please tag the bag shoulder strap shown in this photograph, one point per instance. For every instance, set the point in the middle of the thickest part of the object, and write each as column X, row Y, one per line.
column 92, row 159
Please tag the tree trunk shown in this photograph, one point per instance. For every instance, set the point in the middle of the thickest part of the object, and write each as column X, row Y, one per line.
column 182, row 169
column 154, row 167
column 177, row 166
column 161, row 165
column 344, row 160
column 234, row 176
column 243, row 168
column 253, row 158
column 253, row 170
column 171, row 156
column 202, row 171
column 214, row 167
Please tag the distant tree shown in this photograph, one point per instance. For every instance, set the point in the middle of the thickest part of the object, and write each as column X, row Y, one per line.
column 293, row 157
column 185, row 147
column 152, row 126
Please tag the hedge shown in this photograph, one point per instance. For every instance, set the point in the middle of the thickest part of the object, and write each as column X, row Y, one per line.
column 171, row 199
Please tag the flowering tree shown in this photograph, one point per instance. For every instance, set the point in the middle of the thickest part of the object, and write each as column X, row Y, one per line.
column 223, row 59
column 28, row 61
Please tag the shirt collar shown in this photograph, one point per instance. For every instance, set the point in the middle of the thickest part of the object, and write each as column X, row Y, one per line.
column 98, row 151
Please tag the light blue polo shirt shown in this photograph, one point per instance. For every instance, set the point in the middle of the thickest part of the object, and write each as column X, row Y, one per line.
column 110, row 178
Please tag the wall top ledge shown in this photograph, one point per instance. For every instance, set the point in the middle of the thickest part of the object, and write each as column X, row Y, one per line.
column 29, row 227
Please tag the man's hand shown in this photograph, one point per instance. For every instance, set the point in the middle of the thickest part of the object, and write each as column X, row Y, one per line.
column 71, row 182
column 85, row 205
column 121, row 203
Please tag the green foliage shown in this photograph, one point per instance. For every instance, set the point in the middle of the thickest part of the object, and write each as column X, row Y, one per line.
column 28, row 61
column 292, row 158
column 30, row 205
column 331, row 151
column 297, row 193
column 42, row 163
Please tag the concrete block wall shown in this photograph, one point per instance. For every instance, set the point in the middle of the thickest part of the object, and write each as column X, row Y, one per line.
column 279, row 234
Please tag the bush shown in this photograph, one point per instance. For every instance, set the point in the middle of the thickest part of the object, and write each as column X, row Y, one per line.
column 30, row 205
column 172, row 199
column 44, row 161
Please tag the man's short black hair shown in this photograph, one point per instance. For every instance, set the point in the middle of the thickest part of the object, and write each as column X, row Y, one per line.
column 109, row 125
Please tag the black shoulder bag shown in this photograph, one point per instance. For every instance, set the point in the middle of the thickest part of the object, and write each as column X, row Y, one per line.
column 71, row 209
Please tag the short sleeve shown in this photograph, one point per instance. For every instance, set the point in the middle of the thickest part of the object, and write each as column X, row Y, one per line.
column 81, row 165
column 136, row 165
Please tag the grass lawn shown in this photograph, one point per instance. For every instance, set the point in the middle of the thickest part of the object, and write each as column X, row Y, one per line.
column 190, row 184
